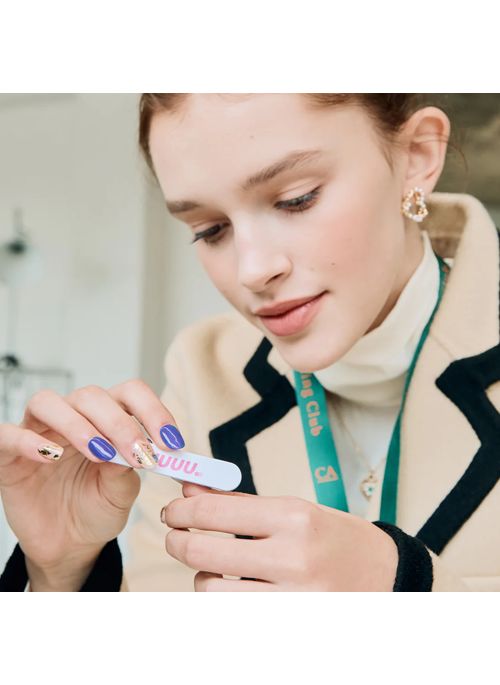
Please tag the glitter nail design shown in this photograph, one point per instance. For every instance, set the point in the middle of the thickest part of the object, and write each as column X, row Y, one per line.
column 52, row 452
column 145, row 455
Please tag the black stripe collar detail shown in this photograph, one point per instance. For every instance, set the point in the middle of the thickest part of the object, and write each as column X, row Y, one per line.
column 228, row 441
column 465, row 382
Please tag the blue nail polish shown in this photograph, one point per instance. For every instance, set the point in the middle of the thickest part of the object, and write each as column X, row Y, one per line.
column 102, row 449
column 171, row 437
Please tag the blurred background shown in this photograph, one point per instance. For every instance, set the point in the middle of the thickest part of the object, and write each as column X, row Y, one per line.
column 95, row 277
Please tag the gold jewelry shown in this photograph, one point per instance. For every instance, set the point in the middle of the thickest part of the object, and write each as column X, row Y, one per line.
column 415, row 196
column 367, row 485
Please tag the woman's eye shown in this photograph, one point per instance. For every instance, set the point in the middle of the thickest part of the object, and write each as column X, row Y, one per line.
column 211, row 235
column 299, row 204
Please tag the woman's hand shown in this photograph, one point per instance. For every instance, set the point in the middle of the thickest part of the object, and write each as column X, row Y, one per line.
column 297, row 545
column 62, row 498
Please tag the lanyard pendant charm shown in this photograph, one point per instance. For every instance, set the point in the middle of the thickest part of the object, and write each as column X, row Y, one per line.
column 367, row 486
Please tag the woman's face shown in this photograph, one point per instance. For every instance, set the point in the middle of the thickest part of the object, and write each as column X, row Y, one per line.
column 288, row 203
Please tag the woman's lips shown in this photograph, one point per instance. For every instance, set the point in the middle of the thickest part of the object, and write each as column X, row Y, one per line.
column 294, row 320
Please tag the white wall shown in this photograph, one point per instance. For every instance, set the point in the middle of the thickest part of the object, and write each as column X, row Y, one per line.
column 104, row 312
column 72, row 165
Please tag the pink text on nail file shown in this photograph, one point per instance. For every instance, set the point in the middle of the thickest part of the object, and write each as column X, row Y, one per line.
column 189, row 469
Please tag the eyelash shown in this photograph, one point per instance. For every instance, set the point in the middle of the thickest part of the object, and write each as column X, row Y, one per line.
column 303, row 202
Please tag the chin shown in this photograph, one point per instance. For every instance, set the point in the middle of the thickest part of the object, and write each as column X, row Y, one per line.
column 310, row 354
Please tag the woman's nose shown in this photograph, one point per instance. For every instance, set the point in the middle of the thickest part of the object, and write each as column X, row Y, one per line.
column 260, row 261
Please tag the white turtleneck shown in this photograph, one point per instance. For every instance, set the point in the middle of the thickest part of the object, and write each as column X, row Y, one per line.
column 368, row 381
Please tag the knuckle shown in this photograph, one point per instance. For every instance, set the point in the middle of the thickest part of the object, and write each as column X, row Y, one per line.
column 301, row 516
column 205, row 508
column 89, row 392
column 40, row 398
column 135, row 385
column 125, row 427
column 297, row 564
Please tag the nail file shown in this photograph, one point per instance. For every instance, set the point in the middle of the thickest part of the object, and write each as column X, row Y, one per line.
column 192, row 468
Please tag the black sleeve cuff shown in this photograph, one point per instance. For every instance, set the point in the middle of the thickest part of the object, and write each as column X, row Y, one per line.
column 414, row 572
column 106, row 576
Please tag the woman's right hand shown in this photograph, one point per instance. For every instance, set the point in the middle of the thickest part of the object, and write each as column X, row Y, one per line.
column 63, row 499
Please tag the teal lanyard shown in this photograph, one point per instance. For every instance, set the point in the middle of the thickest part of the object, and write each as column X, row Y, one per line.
column 321, row 450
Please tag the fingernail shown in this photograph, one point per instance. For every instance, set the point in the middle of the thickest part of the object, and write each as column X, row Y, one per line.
column 145, row 455
column 102, row 449
column 52, row 452
column 163, row 515
column 171, row 437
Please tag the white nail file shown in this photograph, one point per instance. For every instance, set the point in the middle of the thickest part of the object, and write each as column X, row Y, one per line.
column 192, row 468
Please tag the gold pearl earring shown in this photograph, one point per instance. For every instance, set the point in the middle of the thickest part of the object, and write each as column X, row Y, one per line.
column 415, row 196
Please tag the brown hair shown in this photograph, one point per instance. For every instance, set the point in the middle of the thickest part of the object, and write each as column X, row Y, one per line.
column 149, row 105
column 389, row 111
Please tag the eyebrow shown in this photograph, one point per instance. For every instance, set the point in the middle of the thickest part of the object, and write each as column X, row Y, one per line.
column 292, row 160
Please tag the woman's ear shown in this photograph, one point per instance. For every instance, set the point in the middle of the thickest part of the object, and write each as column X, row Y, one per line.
column 426, row 133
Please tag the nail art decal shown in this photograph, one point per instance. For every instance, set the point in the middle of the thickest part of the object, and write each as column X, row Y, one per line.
column 52, row 452
column 171, row 437
column 145, row 455
column 102, row 449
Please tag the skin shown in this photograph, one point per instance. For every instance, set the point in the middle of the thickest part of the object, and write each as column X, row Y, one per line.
column 352, row 243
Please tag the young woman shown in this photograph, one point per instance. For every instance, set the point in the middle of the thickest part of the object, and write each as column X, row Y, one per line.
column 355, row 384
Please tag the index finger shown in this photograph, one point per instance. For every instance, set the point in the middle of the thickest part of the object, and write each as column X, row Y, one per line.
column 139, row 400
column 252, row 516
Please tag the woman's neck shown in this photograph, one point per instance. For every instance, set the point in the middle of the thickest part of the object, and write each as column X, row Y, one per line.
column 414, row 253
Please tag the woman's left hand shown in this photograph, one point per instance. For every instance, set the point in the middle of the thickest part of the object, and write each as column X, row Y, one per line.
column 297, row 545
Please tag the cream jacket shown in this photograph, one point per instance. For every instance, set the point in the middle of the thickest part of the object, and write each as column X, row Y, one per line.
column 232, row 396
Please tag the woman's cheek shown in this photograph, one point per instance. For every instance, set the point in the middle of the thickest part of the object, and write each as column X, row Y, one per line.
column 228, row 286
column 219, row 270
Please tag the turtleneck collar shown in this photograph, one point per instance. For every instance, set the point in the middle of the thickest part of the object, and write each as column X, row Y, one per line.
column 373, row 371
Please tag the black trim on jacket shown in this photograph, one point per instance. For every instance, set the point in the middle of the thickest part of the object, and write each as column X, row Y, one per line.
column 465, row 382
column 228, row 441
column 106, row 576
column 414, row 572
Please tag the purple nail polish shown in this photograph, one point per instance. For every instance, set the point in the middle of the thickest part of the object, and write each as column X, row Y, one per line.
column 171, row 437
column 102, row 449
